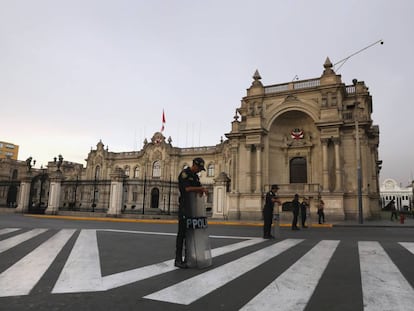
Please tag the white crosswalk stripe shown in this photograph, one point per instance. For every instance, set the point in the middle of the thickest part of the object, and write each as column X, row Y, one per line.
column 16, row 240
column 190, row 290
column 20, row 278
column 384, row 287
column 302, row 277
column 82, row 270
column 408, row 245
column 7, row 230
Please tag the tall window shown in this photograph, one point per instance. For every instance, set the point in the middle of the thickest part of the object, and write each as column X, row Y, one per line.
column 136, row 172
column 127, row 170
column 97, row 172
column 210, row 170
column 156, row 169
column 298, row 170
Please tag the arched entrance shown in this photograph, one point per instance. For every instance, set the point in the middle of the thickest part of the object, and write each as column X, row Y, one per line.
column 155, row 197
column 293, row 143
column 12, row 196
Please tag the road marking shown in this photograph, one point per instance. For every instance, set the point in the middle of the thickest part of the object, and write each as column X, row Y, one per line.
column 20, row 278
column 15, row 240
column 293, row 289
column 8, row 230
column 383, row 285
column 82, row 272
column 408, row 245
column 175, row 234
column 194, row 288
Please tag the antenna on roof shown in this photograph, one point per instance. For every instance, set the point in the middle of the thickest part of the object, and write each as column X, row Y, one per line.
column 342, row 61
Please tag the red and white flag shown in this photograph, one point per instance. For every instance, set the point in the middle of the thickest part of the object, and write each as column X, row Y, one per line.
column 163, row 121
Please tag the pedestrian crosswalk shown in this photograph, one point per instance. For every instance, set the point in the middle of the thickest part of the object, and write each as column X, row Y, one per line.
column 384, row 286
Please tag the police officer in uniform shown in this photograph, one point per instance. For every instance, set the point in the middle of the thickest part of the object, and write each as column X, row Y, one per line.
column 295, row 210
column 188, row 181
column 271, row 199
column 304, row 206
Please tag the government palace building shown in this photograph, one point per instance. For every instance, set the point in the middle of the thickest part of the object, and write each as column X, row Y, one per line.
column 312, row 137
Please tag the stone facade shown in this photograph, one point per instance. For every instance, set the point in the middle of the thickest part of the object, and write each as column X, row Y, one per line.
column 301, row 135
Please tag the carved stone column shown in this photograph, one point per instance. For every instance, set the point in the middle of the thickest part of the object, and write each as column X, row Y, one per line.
column 248, row 182
column 24, row 195
column 117, row 193
column 338, row 171
column 258, row 169
column 234, row 170
column 54, row 193
column 325, row 172
column 220, row 208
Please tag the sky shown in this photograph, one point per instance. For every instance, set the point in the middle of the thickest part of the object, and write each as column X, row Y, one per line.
column 75, row 72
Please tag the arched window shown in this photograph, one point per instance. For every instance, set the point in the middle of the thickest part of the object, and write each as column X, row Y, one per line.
column 298, row 170
column 127, row 170
column 210, row 170
column 156, row 169
column 136, row 172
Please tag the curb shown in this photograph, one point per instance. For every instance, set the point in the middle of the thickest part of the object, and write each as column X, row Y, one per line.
column 218, row 222
column 168, row 221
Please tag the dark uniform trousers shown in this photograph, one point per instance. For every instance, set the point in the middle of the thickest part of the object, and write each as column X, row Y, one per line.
column 267, row 221
column 181, row 241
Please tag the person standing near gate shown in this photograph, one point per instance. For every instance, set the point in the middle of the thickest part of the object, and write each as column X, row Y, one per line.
column 304, row 207
column 295, row 210
column 271, row 199
column 321, row 213
column 188, row 181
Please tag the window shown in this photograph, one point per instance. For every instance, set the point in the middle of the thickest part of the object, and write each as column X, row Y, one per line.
column 210, row 170
column 136, row 172
column 156, row 169
column 298, row 170
column 127, row 171
column 97, row 172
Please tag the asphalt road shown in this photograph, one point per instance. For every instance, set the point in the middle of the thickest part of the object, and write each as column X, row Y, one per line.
column 59, row 264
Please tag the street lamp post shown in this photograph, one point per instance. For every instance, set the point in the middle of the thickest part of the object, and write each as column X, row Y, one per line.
column 143, row 198
column 358, row 155
column 169, row 197
column 94, row 194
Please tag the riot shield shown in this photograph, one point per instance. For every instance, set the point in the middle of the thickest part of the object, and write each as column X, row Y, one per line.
column 198, row 243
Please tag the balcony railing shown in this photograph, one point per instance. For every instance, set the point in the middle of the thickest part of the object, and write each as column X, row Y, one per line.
column 298, row 85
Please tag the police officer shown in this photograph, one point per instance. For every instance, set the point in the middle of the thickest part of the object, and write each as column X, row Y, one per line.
column 271, row 199
column 303, row 210
column 188, row 181
column 295, row 210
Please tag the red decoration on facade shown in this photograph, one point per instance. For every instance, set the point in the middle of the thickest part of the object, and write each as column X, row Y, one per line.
column 297, row 134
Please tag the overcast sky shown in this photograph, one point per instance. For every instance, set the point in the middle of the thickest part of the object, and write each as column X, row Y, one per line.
column 75, row 72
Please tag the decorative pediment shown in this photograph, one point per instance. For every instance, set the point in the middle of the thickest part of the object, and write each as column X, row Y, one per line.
column 158, row 138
